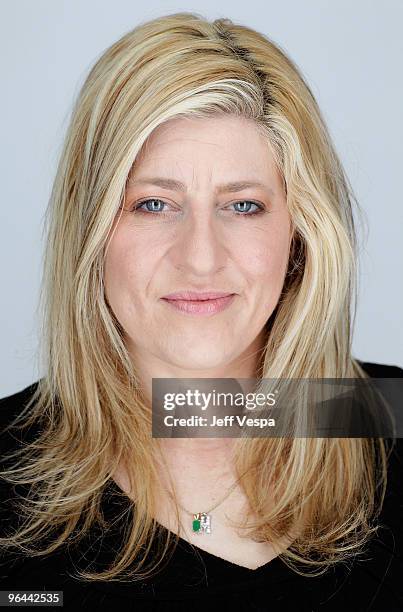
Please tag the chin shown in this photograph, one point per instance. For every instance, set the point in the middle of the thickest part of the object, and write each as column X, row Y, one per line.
column 198, row 361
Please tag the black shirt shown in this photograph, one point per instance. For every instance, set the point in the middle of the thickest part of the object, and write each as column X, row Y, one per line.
column 193, row 579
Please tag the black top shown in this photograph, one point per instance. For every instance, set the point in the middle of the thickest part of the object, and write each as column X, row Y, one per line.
column 193, row 578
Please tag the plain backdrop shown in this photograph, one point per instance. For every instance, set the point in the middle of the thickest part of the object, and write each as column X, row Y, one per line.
column 350, row 53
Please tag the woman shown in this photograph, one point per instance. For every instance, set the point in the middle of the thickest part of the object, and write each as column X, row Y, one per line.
column 196, row 162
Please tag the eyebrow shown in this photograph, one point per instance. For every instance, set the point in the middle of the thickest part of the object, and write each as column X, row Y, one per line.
column 175, row 185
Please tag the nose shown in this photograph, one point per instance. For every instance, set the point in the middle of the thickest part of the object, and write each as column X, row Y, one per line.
column 199, row 246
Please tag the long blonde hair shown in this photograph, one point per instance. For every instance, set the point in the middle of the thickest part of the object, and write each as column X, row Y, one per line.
column 89, row 404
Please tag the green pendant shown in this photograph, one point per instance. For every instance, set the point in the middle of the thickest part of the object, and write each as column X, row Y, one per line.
column 201, row 522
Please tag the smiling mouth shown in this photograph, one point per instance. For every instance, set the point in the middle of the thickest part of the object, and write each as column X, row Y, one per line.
column 201, row 306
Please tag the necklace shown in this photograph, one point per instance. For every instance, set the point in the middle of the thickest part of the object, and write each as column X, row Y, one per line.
column 201, row 521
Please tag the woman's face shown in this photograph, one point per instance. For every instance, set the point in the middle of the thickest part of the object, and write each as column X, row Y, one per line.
column 207, row 234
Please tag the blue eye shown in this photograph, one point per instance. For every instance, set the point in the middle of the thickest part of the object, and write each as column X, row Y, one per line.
column 153, row 208
column 248, row 203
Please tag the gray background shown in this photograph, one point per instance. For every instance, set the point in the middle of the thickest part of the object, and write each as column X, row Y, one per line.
column 351, row 54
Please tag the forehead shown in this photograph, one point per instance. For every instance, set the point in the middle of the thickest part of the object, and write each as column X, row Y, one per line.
column 213, row 146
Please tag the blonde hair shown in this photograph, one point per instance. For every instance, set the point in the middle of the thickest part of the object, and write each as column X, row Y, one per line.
column 89, row 403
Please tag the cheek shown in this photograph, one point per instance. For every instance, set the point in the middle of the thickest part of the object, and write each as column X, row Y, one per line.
column 265, row 257
column 125, row 268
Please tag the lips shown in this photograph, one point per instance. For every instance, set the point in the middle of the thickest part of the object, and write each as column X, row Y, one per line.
column 196, row 296
column 199, row 303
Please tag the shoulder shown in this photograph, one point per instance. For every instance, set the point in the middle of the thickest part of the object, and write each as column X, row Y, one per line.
column 381, row 370
column 11, row 407
column 392, row 512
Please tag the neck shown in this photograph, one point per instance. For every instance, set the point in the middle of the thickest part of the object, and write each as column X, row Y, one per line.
column 200, row 452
